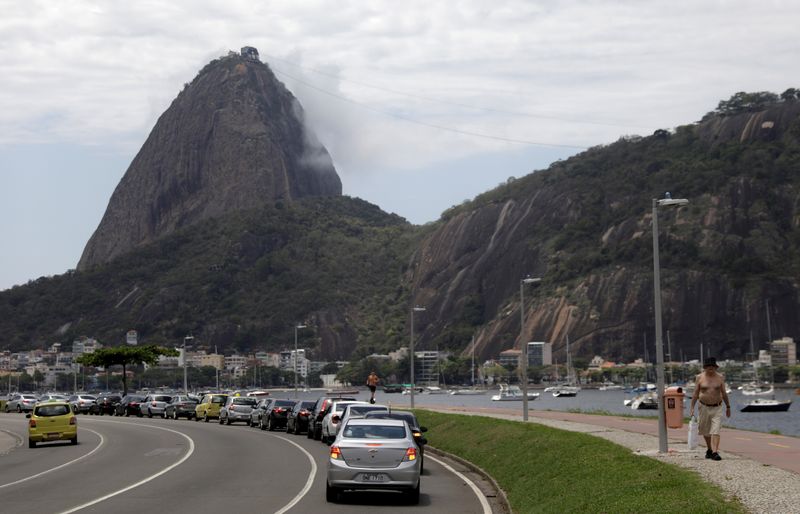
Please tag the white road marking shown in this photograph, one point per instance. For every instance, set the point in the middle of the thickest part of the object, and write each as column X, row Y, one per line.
column 37, row 475
column 487, row 509
column 145, row 480
column 310, row 480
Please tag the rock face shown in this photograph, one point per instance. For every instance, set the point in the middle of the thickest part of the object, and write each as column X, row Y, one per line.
column 585, row 227
column 233, row 139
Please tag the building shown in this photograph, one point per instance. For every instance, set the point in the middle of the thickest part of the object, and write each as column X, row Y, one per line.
column 510, row 358
column 85, row 345
column 250, row 53
column 235, row 362
column 540, row 354
column 426, row 367
column 287, row 362
column 783, row 352
column 201, row 360
column 132, row 338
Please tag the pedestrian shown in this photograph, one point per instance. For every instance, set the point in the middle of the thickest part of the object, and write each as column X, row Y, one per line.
column 710, row 392
column 372, row 383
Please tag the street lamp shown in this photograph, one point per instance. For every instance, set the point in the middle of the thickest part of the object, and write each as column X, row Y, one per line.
column 662, row 422
column 413, row 384
column 296, row 328
column 524, row 355
column 185, row 381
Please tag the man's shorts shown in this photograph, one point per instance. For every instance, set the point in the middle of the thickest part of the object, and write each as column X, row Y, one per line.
column 372, row 388
column 709, row 419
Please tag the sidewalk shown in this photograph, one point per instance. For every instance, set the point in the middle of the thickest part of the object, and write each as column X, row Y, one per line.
column 761, row 470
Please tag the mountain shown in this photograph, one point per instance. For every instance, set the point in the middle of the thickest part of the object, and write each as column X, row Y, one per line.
column 585, row 226
column 233, row 139
column 242, row 279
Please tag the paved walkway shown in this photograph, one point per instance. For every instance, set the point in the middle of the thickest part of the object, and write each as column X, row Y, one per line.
column 759, row 470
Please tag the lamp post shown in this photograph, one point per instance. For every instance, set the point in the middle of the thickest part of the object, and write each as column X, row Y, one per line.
column 411, row 348
column 185, row 380
column 296, row 328
column 524, row 356
column 662, row 422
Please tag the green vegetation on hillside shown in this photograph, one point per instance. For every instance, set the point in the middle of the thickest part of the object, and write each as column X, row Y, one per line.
column 543, row 469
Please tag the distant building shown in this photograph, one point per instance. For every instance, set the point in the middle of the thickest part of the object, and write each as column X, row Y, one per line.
column 250, row 53
column 426, row 367
column 235, row 361
column 132, row 338
column 509, row 358
column 783, row 352
column 540, row 354
column 85, row 345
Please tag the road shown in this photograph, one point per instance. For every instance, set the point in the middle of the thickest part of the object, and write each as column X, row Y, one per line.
column 154, row 465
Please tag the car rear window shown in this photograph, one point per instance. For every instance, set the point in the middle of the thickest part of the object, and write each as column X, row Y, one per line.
column 284, row 403
column 51, row 410
column 162, row 398
column 218, row 398
column 374, row 432
column 360, row 410
column 244, row 401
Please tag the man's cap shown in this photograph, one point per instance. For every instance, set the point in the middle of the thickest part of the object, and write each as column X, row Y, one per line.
column 710, row 361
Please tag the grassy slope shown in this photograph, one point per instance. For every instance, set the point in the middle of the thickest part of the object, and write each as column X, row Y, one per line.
column 543, row 469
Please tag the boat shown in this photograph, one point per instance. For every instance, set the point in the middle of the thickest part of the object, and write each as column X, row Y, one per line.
column 393, row 388
column 433, row 390
column 644, row 401
column 610, row 386
column 767, row 405
column 510, row 393
column 474, row 392
column 756, row 389
column 566, row 392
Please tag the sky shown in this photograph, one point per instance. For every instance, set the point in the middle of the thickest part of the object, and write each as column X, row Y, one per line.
column 421, row 104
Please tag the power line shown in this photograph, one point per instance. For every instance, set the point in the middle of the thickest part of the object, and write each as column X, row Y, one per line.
column 457, row 104
column 426, row 124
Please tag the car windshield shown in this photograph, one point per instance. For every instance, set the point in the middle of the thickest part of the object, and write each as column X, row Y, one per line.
column 51, row 410
column 305, row 405
column 87, row 397
column 244, row 401
column 374, row 432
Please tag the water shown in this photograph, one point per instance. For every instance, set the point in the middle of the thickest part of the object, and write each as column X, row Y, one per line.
column 590, row 400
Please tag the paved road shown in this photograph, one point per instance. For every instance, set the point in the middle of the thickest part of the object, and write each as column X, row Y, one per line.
column 154, row 465
column 772, row 449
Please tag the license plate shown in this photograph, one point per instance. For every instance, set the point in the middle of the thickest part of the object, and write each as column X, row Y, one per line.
column 53, row 435
column 373, row 477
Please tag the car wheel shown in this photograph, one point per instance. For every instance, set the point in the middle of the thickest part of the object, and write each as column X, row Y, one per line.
column 331, row 494
column 31, row 444
column 196, row 417
column 261, row 424
column 205, row 417
column 287, row 428
column 175, row 414
column 227, row 420
column 413, row 495
column 164, row 414
column 74, row 440
column 309, row 432
column 220, row 420
column 127, row 413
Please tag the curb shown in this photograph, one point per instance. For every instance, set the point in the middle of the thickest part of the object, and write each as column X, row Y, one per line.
column 501, row 495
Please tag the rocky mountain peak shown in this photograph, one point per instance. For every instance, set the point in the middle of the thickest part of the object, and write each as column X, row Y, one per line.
column 233, row 139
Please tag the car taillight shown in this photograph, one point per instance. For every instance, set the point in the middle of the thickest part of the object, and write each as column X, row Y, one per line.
column 134, row 404
column 411, row 454
column 32, row 423
column 417, row 434
column 303, row 412
column 72, row 420
column 336, row 453
column 278, row 410
column 81, row 402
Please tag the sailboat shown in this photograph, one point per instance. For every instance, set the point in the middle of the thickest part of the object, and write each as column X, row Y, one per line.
column 472, row 390
column 570, row 389
column 763, row 404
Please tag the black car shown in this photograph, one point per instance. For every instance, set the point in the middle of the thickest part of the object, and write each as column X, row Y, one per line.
column 275, row 416
column 321, row 408
column 129, row 405
column 297, row 419
column 181, row 407
column 258, row 412
column 413, row 424
column 106, row 404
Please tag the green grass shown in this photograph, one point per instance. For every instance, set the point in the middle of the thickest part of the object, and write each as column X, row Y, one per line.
column 543, row 469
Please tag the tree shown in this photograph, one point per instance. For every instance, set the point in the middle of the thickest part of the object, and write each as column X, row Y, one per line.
column 125, row 356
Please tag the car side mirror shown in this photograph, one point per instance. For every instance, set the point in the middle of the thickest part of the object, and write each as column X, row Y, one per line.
column 423, row 429
column 28, row 415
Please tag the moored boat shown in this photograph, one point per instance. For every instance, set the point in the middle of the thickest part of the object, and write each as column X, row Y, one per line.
column 566, row 391
column 473, row 392
column 509, row 393
column 767, row 405
column 645, row 401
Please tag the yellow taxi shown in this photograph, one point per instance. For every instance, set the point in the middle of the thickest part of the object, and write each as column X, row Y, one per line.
column 52, row 421
column 209, row 406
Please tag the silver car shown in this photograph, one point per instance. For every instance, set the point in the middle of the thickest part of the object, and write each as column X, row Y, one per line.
column 21, row 403
column 82, row 403
column 155, row 405
column 356, row 411
column 331, row 420
column 374, row 454
column 237, row 408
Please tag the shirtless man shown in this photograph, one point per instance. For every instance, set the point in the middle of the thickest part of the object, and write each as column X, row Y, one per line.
column 372, row 383
column 710, row 392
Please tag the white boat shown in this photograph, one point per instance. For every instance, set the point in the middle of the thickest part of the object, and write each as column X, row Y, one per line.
column 474, row 392
column 755, row 389
column 610, row 386
column 434, row 390
column 645, row 401
column 566, row 391
column 550, row 389
column 510, row 393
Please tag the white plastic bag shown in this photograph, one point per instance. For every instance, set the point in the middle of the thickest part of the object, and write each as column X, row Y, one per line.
column 694, row 436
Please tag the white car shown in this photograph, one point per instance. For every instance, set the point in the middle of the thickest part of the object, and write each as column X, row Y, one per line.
column 357, row 411
column 155, row 404
column 331, row 420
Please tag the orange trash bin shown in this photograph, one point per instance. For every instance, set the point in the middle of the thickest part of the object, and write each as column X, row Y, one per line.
column 673, row 405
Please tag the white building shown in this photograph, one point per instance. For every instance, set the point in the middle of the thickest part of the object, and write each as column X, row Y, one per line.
column 235, row 361
column 540, row 353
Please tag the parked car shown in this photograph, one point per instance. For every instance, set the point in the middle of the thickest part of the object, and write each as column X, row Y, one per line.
column 52, row 421
column 275, row 416
column 331, row 419
column 53, row 397
column 129, row 405
column 236, row 408
column 21, row 402
column 374, row 454
column 297, row 418
column 82, row 403
column 356, row 411
column 413, row 424
column 105, row 404
column 321, row 408
column 181, row 406
column 154, row 404
column 258, row 411
column 209, row 406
